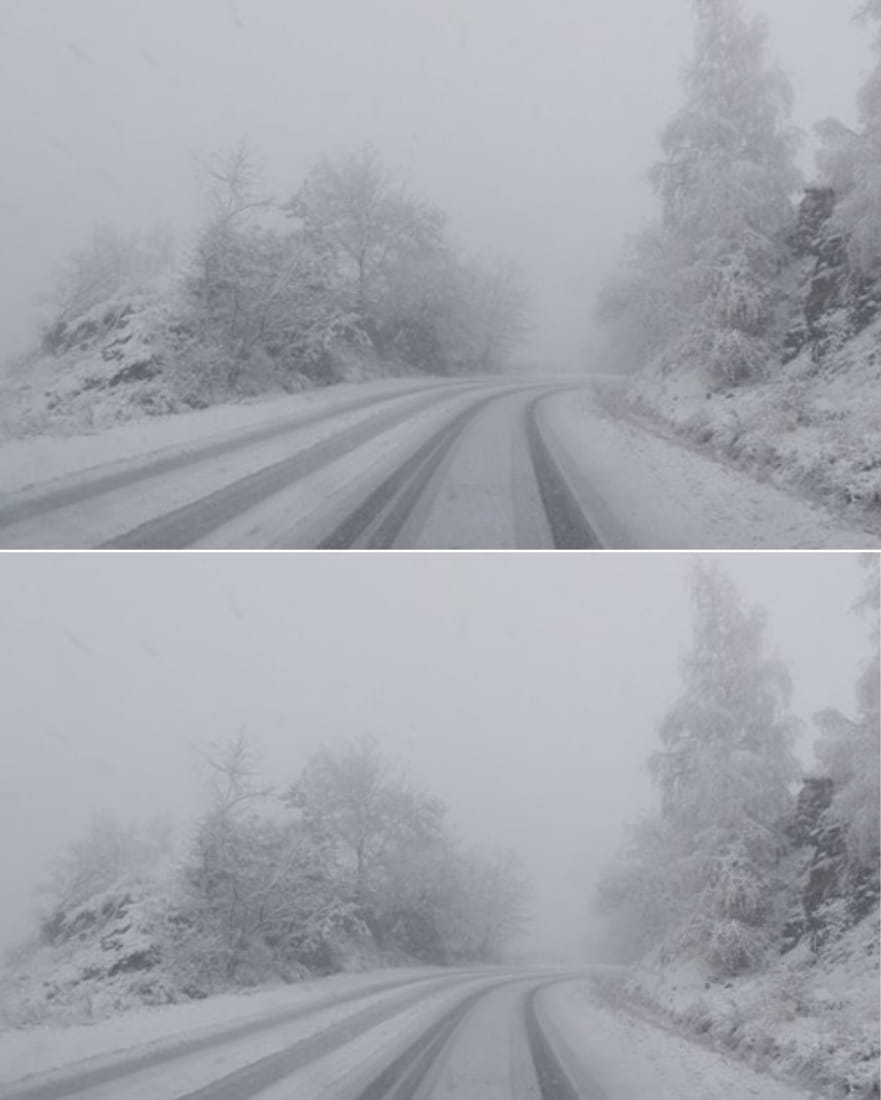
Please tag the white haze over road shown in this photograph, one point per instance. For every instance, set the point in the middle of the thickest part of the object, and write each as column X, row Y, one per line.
column 531, row 122
column 521, row 689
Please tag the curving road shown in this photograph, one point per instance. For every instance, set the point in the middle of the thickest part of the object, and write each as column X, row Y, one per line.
column 464, row 1034
column 471, row 464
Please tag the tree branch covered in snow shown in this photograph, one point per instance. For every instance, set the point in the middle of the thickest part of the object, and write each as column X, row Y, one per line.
column 701, row 286
column 352, row 866
column 732, row 871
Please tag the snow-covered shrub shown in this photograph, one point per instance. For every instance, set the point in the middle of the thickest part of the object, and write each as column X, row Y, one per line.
column 109, row 266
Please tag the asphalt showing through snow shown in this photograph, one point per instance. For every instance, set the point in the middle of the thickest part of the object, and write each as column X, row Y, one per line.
column 408, row 440
column 86, row 1079
column 409, row 1062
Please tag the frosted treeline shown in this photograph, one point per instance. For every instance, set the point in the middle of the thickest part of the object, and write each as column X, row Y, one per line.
column 707, row 875
column 348, row 276
column 350, row 866
column 705, row 286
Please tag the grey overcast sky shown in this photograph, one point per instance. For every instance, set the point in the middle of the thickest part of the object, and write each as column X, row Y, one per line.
column 532, row 122
column 522, row 689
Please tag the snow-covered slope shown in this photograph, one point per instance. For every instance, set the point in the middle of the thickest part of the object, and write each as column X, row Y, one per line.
column 812, row 1017
column 137, row 354
column 135, row 944
column 814, row 428
column 53, row 1045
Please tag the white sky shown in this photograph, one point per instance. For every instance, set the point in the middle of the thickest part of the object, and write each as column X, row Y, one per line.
column 532, row 122
column 522, row 689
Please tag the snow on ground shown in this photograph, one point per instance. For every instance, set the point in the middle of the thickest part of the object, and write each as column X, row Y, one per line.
column 109, row 514
column 632, row 1059
column 811, row 428
column 809, row 1018
column 46, row 1047
column 41, row 458
column 645, row 491
column 348, row 1069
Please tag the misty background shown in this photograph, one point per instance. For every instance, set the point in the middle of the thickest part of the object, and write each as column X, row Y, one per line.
column 531, row 124
column 522, row 690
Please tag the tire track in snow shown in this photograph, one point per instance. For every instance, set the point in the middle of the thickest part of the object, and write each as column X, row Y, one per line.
column 378, row 521
column 32, row 502
column 184, row 526
column 69, row 1082
column 570, row 529
column 254, row 1078
column 402, row 1079
column 405, row 1077
column 553, row 1081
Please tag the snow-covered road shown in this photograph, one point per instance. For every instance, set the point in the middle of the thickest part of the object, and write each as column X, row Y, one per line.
column 486, row 463
column 461, row 1035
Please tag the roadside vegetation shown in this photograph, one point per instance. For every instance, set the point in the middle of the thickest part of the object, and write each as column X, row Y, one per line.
column 347, row 868
column 749, row 311
column 747, row 903
column 348, row 277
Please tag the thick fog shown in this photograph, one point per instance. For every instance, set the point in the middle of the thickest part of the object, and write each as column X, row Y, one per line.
column 523, row 690
column 531, row 122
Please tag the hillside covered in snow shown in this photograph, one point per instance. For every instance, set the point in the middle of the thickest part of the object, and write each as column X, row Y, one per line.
column 747, row 317
column 351, row 278
column 264, row 888
column 746, row 905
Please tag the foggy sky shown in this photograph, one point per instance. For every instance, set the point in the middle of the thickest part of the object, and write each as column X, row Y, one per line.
column 532, row 122
column 524, row 690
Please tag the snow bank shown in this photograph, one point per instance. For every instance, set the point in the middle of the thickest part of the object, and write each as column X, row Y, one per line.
column 630, row 1058
column 813, row 1019
column 47, row 1047
column 40, row 458
column 641, row 490
column 810, row 428
column 133, row 357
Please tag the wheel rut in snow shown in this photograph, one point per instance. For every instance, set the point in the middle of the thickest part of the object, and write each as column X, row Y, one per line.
column 378, row 521
column 65, row 1084
column 569, row 527
column 35, row 502
column 553, row 1081
column 402, row 1079
column 184, row 526
column 244, row 1083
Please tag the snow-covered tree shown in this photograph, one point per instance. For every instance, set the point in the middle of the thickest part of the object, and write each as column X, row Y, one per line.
column 495, row 904
column 644, row 306
column 260, row 895
column 725, row 772
column 726, row 181
column 850, row 163
column 353, row 800
column 110, row 265
column 355, row 208
column 849, row 751
column 639, row 896
column 108, row 853
column 499, row 313
column 699, row 876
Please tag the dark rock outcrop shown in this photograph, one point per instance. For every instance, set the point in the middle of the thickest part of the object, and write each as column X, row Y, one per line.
column 832, row 893
column 836, row 302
